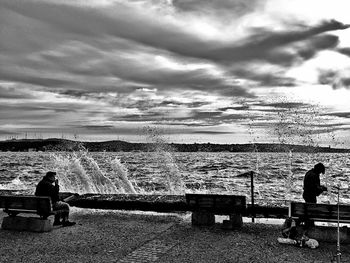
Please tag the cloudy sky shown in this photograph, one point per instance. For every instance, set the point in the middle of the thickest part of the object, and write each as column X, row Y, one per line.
column 223, row 71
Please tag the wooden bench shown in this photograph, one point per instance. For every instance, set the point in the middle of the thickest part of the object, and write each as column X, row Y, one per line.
column 302, row 212
column 319, row 212
column 204, row 207
column 38, row 205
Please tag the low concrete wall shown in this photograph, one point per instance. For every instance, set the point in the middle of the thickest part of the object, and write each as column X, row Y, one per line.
column 20, row 223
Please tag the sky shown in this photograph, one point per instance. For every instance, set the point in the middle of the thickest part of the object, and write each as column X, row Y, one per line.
column 223, row 71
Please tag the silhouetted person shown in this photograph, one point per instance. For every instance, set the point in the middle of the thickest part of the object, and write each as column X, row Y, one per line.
column 312, row 186
column 48, row 186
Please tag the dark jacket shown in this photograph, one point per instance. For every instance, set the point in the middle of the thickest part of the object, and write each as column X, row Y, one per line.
column 312, row 187
column 46, row 188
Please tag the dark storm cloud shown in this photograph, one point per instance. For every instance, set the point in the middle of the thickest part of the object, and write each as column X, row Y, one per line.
column 212, row 132
column 268, row 45
column 195, row 117
column 34, row 79
column 261, row 45
column 14, row 107
column 219, row 8
column 315, row 44
column 215, row 117
column 335, row 78
column 97, row 127
column 194, row 104
column 144, row 116
column 238, row 108
column 73, row 93
column 206, row 114
column 344, row 51
column 346, row 82
column 109, row 129
column 89, row 31
column 271, row 79
column 146, row 104
column 284, row 105
column 339, row 114
column 7, row 132
column 295, row 129
column 28, row 106
column 111, row 73
column 327, row 76
column 14, row 93
column 163, row 78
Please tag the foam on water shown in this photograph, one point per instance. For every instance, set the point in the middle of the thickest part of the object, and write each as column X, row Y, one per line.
column 15, row 184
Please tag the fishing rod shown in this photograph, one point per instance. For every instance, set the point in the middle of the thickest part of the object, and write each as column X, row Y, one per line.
column 337, row 256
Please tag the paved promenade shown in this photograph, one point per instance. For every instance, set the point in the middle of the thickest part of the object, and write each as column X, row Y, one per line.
column 125, row 237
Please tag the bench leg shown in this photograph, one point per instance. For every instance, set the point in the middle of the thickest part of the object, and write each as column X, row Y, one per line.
column 203, row 218
column 236, row 220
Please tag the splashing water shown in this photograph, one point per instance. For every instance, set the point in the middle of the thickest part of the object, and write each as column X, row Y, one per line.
column 257, row 172
column 80, row 173
column 121, row 173
column 15, row 184
column 165, row 159
column 289, row 178
column 174, row 182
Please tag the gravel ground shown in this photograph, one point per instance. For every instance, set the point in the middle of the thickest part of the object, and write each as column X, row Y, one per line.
column 108, row 236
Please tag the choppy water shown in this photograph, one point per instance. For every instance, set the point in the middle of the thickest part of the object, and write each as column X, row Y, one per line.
column 279, row 175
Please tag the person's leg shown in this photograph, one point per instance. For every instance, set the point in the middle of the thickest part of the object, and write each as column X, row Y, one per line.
column 309, row 223
column 57, row 220
column 64, row 215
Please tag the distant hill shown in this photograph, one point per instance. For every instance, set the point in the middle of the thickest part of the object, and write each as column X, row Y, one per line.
column 53, row 144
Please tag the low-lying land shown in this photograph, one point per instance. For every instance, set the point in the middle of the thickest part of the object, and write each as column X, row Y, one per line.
column 54, row 144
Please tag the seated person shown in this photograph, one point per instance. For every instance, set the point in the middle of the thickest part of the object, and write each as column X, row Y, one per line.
column 46, row 188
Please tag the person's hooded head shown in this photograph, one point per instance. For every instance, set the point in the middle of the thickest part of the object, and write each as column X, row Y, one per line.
column 50, row 176
column 319, row 168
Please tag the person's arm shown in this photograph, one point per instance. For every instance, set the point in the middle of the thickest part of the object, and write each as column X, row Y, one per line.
column 319, row 188
column 55, row 192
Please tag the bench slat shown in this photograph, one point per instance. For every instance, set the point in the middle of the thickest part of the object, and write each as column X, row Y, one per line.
column 217, row 204
column 20, row 211
column 38, row 204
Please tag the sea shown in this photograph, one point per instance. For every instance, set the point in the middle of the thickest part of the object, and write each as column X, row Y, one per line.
column 277, row 177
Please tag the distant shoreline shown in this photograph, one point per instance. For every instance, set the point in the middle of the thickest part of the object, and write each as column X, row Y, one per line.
column 54, row 144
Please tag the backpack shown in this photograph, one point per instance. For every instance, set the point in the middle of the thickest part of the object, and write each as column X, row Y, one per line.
column 289, row 229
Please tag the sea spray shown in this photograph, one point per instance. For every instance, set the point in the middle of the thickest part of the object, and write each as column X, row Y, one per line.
column 289, row 178
column 175, row 184
column 121, row 173
column 71, row 174
column 254, row 136
column 80, row 173
column 297, row 125
column 257, row 171
column 98, row 179
column 163, row 155
column 15, row 184
column 79, row 180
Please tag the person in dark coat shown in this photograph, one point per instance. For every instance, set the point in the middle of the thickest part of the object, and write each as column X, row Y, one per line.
column 312, row 186
column 48, row 186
